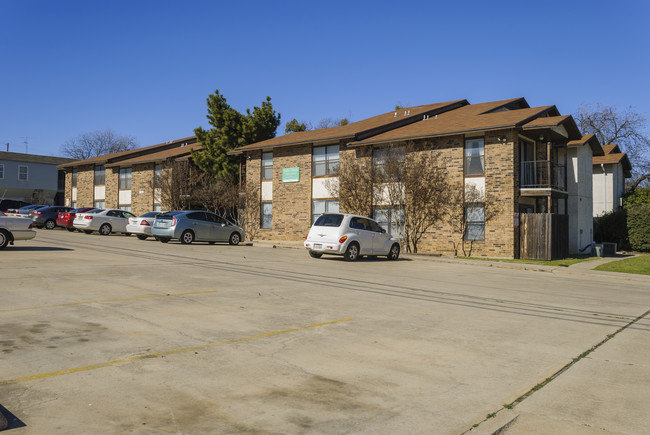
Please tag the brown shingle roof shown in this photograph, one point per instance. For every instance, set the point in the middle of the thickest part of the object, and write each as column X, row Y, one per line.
column 589, row 139
column 613, row 155
column 143, row 152
column 475, row 117
column 355, row 130
column 32, row 158
column 159, row 156
column 611, row 148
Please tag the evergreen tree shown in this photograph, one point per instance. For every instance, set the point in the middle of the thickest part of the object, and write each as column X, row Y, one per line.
column 231, row 129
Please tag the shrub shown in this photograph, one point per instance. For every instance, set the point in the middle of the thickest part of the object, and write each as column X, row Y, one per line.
column 638, row 227
column 612, row 227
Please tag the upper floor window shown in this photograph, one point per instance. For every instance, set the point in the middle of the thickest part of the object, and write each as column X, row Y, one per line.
column 475, row 156
column 75, row 175
column 388, row 161
column 100, row 175
column 22, row 173
column 2, row 172
column 157, row 175
column 267, row 165
column 326, row 160
column 125, row 178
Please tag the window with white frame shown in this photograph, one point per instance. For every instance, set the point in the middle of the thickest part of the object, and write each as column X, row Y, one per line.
column 157, row 207
column 157, row 174
column 125, row 178
column 125, row 207
column 267, row 165
column 99, row 204
column 267, row 215
column 475, row 156
column 23, row 173
column 390, row 219
column 100, row 175
column 325, row 160
column 322, row 206
column 475, row 221
column 2, row 172
column 75, row 176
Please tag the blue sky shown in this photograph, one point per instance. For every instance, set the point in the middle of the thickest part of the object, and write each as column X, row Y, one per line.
column 145, row 68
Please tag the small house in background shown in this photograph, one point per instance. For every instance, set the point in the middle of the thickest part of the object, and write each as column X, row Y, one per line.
column 31, row 178
column 609, row 174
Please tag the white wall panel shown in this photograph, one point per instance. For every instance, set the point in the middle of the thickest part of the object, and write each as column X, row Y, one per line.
column 125, row 197
column 100, row 193
column 267, row 190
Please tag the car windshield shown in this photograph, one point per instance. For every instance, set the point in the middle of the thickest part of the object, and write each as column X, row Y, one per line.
column 329, row 220
column 151, row 214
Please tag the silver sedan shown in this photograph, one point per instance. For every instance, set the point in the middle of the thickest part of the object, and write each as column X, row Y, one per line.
column 196, row 225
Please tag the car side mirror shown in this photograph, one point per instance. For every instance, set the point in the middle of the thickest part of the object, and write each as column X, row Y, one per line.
column 381, row 230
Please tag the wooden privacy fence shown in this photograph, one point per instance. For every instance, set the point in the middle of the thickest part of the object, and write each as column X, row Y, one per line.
column 543, row 236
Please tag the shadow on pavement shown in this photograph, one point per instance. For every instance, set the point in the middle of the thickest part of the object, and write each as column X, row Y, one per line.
column 13, row 422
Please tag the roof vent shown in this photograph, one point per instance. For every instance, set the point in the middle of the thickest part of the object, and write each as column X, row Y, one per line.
column 435, row 117
column 395, row 115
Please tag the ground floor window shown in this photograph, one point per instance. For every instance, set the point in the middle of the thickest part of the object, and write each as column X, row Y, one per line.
column 391, row 219
column 267, row 215
column 475, row 216
column 157, row 207
column 322, row 206
column 99, row 204
column 125, row 207
column 74, row 204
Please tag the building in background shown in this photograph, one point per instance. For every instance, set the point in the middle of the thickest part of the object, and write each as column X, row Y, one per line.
column 31, row 178
column 609, row 174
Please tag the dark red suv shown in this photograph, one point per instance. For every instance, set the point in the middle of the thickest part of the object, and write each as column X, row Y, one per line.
column 66, row 218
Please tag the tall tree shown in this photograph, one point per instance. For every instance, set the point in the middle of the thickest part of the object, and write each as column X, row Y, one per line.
column 231, row 129
column 97, row 143
column 294, row 126
column 626, row 128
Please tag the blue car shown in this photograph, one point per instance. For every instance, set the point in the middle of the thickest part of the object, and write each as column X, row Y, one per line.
column 195, row 226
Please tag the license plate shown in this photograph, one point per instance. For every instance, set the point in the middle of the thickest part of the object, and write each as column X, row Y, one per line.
column 318, row 246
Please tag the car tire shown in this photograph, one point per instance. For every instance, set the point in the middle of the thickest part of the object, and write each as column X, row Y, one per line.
column 49, row 224
column 352, row 253
column 393, row 254
column 4, row 239
column 88, row 231
column 163, row 240
column 313, row 254
column 187, row 237
column 142, row 237
column 212, row 243
column 72, row 230
column 234, row 239
column 105, row 229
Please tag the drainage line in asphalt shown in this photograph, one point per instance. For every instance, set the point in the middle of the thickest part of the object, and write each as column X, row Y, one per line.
column 558, row 373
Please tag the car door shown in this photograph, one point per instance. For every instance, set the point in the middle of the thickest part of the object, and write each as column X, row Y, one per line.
column 380, row 239
column 220, row 230
column 361, row 228
column 114, row 218
column 200, row 225
column 126, row 215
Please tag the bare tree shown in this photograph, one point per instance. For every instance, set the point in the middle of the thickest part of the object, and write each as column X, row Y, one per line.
column 97, row 143
column 176, row 185
column 248, row 215
column 466, row 203
column 624, row 128
column 354, row 185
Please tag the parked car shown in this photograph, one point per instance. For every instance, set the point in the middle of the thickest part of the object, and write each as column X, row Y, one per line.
column 45, row 217
column 196, row 225
column 11, row 204
column 24, row 211
column 106, row 221
column 66, row 218
column 351, row 236
column 141, row 225
column 14, row 228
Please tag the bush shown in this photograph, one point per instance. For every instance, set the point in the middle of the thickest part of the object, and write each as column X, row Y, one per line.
column 612, row 227
column 638, row 227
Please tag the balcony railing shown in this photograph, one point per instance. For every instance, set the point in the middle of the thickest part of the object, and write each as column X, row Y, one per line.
column 536, row 175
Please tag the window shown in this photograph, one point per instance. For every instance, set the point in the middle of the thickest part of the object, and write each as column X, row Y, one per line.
column 326, row 160
column 381, row 156
column 157, row 207
column 267, row 166
column 22, row 173
column 2, row 172
column 475, row 156
column 74, row 204
column 100, row 175
column 267, row 215
column 157, row 175
column 75, row 175
column 125, row 178
column 99, row 204
column 125, row 207
column 321, row 206
column 391, row 219
column 475, row 215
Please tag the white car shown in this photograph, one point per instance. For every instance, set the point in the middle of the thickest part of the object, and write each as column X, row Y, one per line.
column 14, row 228
column 105, row 221
column 351, row 236
column 141, row 225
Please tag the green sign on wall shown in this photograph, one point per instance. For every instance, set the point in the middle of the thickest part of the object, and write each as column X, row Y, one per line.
column 291, row 175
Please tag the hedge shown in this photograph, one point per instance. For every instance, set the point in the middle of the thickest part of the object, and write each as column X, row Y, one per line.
column 638, row 227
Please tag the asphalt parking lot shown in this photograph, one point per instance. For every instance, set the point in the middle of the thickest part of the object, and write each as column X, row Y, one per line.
column 110, row 334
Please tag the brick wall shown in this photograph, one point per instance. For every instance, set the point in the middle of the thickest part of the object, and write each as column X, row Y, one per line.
column 85, row 185
column 112, row 187
column 142, row 188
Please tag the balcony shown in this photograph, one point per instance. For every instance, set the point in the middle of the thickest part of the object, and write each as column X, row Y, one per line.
column 543, row 174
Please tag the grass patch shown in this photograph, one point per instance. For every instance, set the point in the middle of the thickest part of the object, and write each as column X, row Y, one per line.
column 565, row 262
column 639, row 265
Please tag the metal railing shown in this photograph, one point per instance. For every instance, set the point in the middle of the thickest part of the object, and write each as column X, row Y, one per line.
column 536, row 175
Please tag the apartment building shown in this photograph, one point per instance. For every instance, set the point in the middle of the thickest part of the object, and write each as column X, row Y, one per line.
column 609, row 174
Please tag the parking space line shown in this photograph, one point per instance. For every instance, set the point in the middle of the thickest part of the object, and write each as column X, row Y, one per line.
column 71, row 304
column 165, row 353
